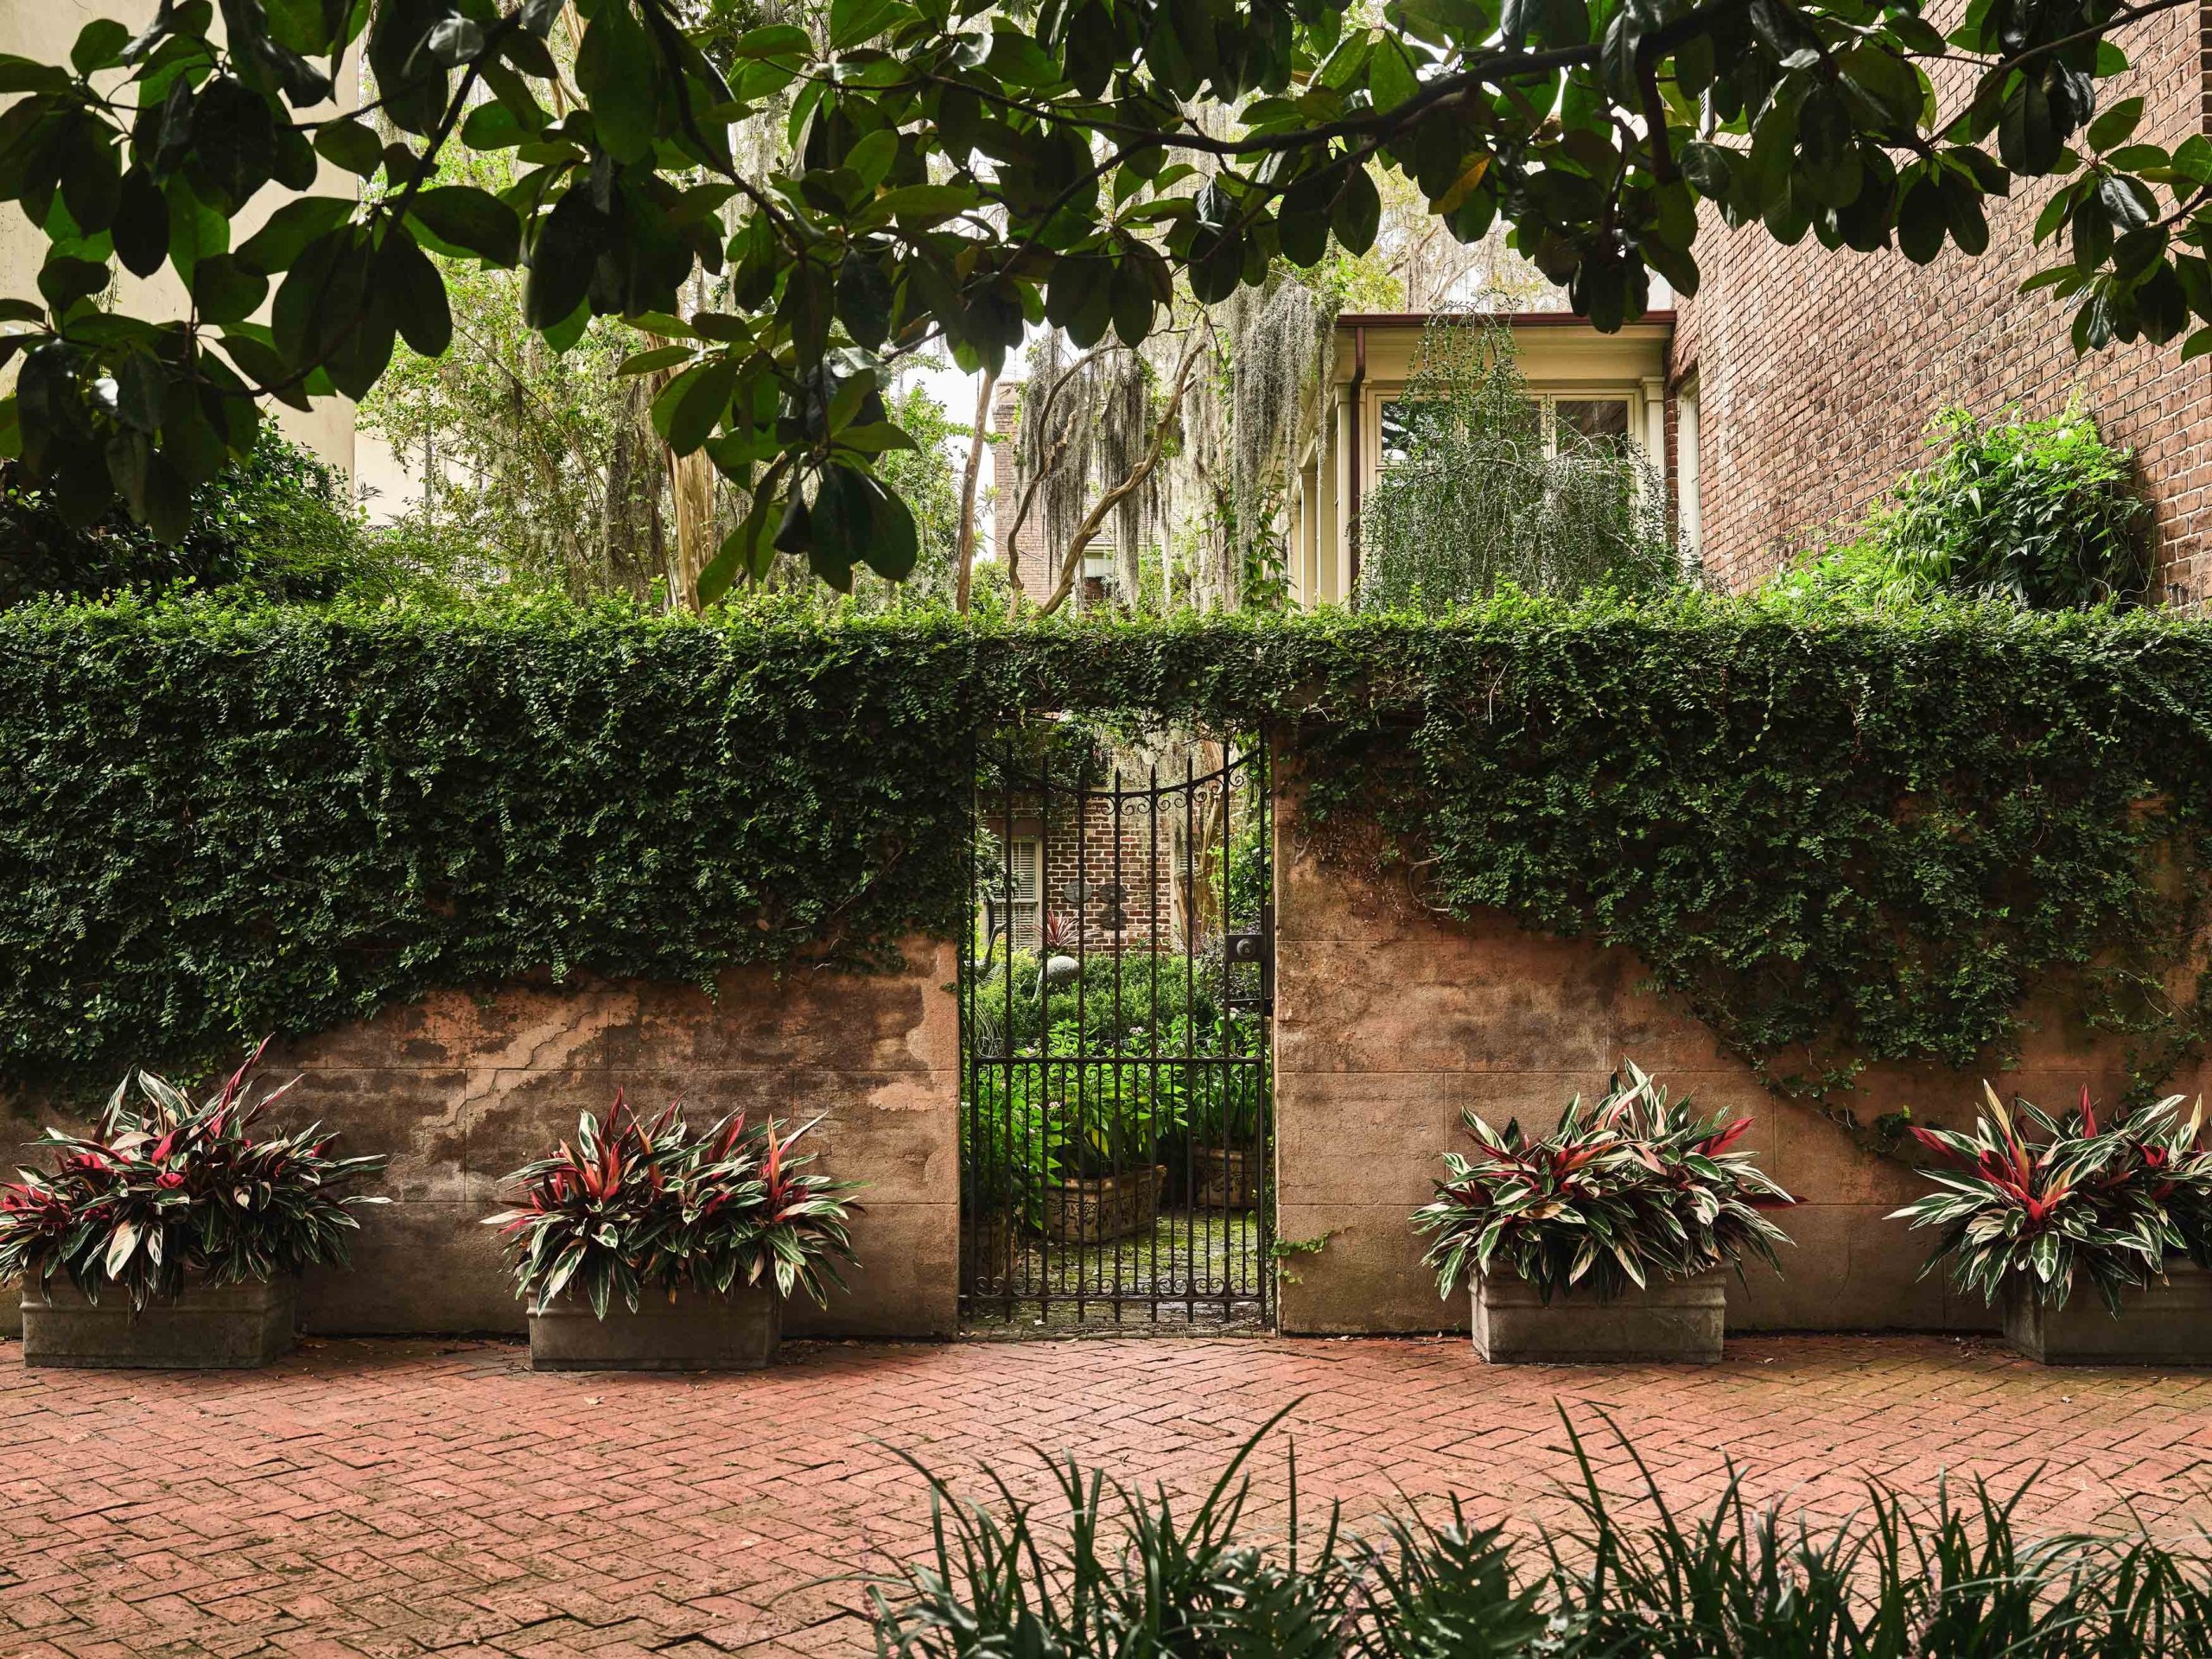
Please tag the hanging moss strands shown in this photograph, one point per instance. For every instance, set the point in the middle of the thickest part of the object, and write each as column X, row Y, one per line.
column 1278, row 339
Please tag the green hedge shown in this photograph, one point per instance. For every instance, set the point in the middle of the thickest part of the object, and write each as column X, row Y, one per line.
column 1838, row 837
column 216, row 823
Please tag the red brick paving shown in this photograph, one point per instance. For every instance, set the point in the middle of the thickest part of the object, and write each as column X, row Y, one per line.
column 404, row 1497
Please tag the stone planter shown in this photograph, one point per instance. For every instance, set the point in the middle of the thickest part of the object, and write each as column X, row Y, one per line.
column 2163, row 1323
column 1678, row 1321
column 1226, row 1178
column 697, row 1332
column 206, row 1328
column 1093, row 1213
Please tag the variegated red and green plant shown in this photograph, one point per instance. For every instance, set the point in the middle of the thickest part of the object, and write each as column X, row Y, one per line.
column 2041, row 1202
column 632, row 1206
column 162, row 1191
column 1638, row 1188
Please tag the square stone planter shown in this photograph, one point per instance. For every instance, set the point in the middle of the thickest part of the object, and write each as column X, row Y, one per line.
column 1114, row 1206
column 1226, row 1178
column 2163, row 1323
column 1677, row 1321
column 206, row 1328
column 697, row 1332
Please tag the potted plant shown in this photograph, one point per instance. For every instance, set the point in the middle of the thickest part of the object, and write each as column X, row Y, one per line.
column 174, row 1234
column 1606, row 1239
column 1102, row 1152
column 1228, row 1139
column 657, row 1247
column 2031, row 1205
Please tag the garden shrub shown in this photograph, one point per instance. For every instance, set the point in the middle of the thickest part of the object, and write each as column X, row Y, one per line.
column 280, row 523
column 164, row 1190
column 2042, row 513
column 639, row 1207
column 1479, row 499
column 1638, row 1188
column 1104, row 1568
column 1043, row 1122
column 1837, row 837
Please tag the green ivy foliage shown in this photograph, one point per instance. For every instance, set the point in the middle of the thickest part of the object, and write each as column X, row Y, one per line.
column 214, row 822
column 1838, row 837
column 2042, row 513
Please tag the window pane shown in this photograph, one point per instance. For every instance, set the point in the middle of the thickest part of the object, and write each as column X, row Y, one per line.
column 1403, row 425
column 1593, row 420
column 1406, row 424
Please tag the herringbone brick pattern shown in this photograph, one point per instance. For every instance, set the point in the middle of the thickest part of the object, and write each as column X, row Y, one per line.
column 404, row 1498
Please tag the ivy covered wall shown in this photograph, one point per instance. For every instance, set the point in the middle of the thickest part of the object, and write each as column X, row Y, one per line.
column 1838, row 838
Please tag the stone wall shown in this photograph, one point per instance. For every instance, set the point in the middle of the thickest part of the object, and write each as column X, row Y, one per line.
column 1389, row 1020
column 459, row 1091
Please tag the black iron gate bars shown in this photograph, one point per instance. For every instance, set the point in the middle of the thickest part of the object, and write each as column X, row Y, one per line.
column 1117, row 984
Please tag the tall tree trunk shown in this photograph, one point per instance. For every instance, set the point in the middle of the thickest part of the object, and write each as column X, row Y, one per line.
column 966, row 552
column 691, row 495
column 630, row 528
column 692, row 489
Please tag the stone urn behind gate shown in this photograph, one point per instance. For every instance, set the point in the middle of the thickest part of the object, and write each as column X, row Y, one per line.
column 1096, row 1211
column 1226, row 1177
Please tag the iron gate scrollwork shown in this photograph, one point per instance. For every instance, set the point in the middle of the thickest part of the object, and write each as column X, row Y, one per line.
column 1117, row 988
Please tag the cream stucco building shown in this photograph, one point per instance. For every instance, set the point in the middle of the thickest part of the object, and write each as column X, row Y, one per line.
column 1596, row 384
column 45, row 29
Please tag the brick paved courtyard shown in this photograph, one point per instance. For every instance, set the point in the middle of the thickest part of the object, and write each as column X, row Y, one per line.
column 402, row 1498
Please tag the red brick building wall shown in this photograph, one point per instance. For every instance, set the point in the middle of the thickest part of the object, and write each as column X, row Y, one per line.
column 1115, row 903
column 1818, row 372
column 1005, row 417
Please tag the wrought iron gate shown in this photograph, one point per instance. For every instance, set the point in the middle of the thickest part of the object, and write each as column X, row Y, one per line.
column 1117, row 987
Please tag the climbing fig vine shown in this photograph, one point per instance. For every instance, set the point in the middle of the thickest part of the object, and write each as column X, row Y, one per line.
column 1836, row 838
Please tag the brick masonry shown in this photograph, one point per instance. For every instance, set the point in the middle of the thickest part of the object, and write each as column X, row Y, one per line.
column 1390, row 1020
column 392, row 1498
column 1109, row 873
column 459, row 1092
column 1818, row 372
column 1027, row 553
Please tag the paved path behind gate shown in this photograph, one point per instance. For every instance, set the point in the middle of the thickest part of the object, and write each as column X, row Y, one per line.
column 404, row 1497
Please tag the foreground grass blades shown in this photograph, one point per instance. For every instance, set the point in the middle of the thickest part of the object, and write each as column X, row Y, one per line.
column 1123, row 1573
